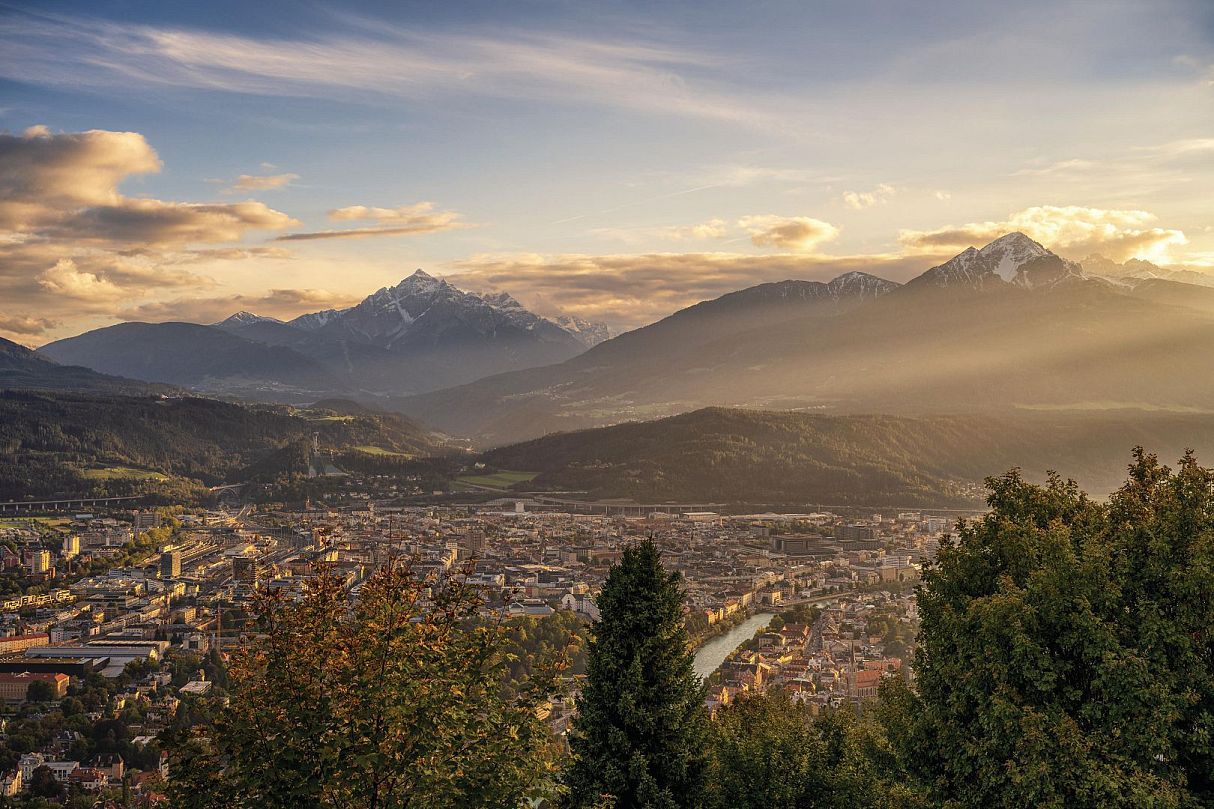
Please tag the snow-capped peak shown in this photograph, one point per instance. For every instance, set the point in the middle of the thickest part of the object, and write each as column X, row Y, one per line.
column 243, row 318
column 1011, row 252
column 859, row 284
column 1011, row 259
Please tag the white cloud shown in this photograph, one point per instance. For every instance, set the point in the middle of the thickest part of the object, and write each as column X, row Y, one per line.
column 394, row 62
column 859, row 200
column 1071, row 230
column 787, row 232
column 260, row 182
column 405, row 220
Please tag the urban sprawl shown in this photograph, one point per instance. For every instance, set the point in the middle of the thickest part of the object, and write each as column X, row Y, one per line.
column 119, row 616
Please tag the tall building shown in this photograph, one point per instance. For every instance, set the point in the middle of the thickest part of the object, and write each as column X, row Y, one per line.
column 71, row 546
column 170, row 564
column 40, row 562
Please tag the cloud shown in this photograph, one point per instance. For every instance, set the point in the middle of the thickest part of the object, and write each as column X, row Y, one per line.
column 281, row 303
column 401, row 221
column 859, row 200
column 152, row 221
column 260, row 182
column 388, row 62
column 72, row 245
column 787, row 232
column 630, row 290
column 1070, row 230
column 43, row 175
column 712, row 229
column 20, row 328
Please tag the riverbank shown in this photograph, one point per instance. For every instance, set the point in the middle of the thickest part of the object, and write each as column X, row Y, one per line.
column 714, row 652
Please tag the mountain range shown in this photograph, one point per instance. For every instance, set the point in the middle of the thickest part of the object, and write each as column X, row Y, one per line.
column 422, row 334
column 1009, row 326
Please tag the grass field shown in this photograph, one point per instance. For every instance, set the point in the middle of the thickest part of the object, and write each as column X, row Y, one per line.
column 122, row 473
column 382, row 451
column 498, row 480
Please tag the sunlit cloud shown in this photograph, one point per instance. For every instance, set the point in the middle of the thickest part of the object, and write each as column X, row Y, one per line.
column 280, row 303
column 405, row 220
column 1069, row 230
column 787, row 232
column 72, row 245
column 260, row 182
column 859, row 200
column 630, row 290
column 22, row 328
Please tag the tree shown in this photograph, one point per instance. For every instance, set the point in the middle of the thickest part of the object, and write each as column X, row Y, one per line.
column 43, row 783
column 1035, row 685
column 766, row 753
column 397, row 701
column 640, row 735
column 40, row 691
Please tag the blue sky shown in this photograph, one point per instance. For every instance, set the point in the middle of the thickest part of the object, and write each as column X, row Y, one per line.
column 612, row 160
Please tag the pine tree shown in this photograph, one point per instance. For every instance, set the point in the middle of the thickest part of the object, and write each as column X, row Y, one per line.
column 640, row 737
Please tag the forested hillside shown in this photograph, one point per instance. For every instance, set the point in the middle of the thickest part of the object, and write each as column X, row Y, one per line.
column 71, row 444
column 723, row 455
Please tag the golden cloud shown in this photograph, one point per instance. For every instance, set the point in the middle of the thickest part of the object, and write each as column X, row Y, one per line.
column 1069, row 230
column 859, row 200
column 260, row 182
column 787, row 232
column 630, row 290
column 280, row 303
column 73, row 246
column 401, row 221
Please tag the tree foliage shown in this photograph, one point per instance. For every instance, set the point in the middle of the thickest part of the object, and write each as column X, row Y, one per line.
column 1065, row 649
column 640, row 735
column 394, row 702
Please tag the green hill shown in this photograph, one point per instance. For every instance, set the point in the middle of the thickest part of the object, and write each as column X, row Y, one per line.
column 733, row 456
column 70, row 444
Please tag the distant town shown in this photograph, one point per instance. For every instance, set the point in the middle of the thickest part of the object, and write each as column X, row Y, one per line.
column 142, row 606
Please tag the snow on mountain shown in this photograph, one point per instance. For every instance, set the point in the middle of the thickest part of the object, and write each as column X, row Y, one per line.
column 1011, row 259
column 859, row 285
column 1136, row 269
column 588, row 333
column 315, row 320
column 243, row 318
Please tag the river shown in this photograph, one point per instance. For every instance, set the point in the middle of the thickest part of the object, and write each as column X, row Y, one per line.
column 712, row 654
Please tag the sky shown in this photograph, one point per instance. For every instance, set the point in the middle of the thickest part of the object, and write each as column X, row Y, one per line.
column 610, row 160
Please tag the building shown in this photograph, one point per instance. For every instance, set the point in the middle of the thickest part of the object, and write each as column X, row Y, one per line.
column 244, row 569
column 170, row 564
column 62, row 770
column 39, row 562
column 14, row 688
column 18, row 643
column 145, row 520
column 854, row 533
column 71, row 546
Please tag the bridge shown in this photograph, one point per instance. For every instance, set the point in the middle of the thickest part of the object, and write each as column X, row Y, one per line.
column 18, row 506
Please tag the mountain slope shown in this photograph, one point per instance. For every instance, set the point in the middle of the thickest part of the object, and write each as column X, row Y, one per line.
column 1006, row 327
column 201, row 357
column 24, row 369
column 59, row 444
column 772, row 457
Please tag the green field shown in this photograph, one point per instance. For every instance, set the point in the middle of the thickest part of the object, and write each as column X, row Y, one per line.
column 498, row 480
column 122, row 473
column 382, row 451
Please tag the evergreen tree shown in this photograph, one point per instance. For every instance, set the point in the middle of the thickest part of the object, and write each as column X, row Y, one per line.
column 640, row 736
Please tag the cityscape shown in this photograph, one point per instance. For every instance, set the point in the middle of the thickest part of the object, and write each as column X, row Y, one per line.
column 606, row 405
